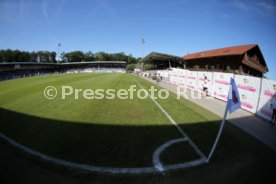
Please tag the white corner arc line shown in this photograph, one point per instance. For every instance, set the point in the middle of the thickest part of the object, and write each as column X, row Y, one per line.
column 99, row 169
column 197, row 150
column 185, row 165
column 156, row 155
column 77, row 166
column 96, row 169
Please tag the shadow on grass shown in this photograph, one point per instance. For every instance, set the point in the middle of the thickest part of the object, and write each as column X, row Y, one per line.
column 238, row 154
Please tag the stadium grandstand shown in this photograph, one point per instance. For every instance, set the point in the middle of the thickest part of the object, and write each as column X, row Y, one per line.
column 243, row 60
column 164, row 61
column 13, row 70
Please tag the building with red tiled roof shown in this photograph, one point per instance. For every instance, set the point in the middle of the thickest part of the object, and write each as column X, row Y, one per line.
column 245, row 60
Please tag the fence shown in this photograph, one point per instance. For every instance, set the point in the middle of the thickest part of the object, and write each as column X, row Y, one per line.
column 255, row 93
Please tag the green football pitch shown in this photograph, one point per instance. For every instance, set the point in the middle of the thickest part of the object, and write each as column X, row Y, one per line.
column 113, row 133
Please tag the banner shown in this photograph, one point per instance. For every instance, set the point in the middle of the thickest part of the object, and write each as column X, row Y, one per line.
column 204, row 77
column 249, row 89
column 173, row 76
column 182, row 75
column 255, row 93
column 221, row 85
column 191, row 80
column 170, row 77
column 268, row 89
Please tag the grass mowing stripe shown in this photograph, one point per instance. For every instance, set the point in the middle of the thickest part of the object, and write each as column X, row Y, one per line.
column 187, row 114
column 132, row 145
column 30, row 100
column 197, row 150
column 128, row 138
column 179, row 107
column 23, row 91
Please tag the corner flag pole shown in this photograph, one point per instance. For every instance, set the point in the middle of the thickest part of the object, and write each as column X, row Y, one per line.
column 233, row 103
column 219, row 134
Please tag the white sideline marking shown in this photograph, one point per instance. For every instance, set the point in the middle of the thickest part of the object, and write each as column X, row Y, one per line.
column 185, row 165
column 197, row 150
column 73, row 165
column 91, row 168
column 117, row 170
column 156, row 155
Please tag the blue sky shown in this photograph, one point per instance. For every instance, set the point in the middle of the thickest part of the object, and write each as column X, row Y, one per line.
column 170, row 26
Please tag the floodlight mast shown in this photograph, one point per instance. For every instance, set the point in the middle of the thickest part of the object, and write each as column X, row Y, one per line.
column 58, row 58
column 143, row 44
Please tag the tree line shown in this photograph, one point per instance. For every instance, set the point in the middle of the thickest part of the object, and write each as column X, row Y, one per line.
column 74, row 56
column 24, row 56
column 78, row 56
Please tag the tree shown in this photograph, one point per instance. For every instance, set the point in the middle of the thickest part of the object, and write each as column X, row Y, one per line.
column 33, row 57
column 131, row 67
column 75, row 56
column 25, row 56
column 52, row 57
column 102, row 56
column 149, row 67
column 16, row 56
column 43, row 56
column 88, row 56
column 119, row 57
column 131, row 59
column 9, row 56
column 63, row 57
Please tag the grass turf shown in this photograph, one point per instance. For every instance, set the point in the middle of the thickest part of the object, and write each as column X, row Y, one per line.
column 119, row 133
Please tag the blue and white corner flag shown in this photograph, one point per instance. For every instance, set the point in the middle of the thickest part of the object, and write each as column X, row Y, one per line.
column 233, row 101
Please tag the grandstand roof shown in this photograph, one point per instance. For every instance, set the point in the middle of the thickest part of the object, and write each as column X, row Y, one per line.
column 235, row 50
column 96, row 62
column 71, row 63
column 26, row 63
column 153, row 56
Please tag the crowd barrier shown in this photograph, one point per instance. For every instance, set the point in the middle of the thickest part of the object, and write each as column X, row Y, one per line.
column 255, row 93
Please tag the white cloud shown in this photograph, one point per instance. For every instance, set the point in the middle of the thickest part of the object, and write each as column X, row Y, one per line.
column 6, row 11
column 264, row 8
column 259, row 7
column 241, row 5
column 14, row 11
column 55, row 8
column 44, row 8
column 23, row 8
column 103, row 6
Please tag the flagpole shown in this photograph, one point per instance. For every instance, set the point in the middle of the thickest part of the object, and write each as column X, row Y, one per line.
column 233, row 103
column 219, row 133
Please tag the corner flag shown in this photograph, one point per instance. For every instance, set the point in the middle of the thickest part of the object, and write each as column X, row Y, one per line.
column 233, row 101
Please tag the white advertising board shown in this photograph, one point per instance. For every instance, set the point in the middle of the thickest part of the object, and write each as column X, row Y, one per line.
column 249, row 89
column 191, row 80
column 221, row 85
column 204, row 77
column 268, row 89
column 182, row 74
column 174, row 76
column 170, row 77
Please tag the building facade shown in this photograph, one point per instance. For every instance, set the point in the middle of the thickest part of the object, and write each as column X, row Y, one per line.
column 244, row 60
